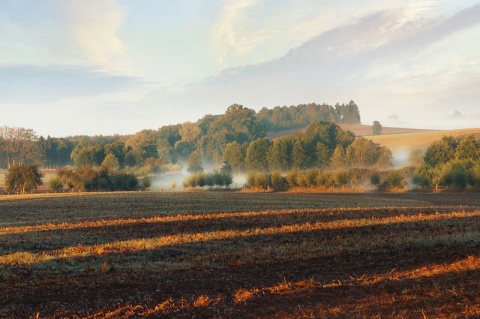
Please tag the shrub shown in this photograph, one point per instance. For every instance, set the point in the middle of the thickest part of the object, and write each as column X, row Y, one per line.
column 55, row 184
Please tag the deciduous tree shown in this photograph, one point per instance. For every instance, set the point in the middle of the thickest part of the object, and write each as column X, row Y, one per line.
column 23, row 178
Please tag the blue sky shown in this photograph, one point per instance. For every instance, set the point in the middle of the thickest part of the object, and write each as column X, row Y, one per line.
column 71, row 67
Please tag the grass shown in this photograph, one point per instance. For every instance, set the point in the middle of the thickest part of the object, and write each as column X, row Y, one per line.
column 419, row 140
column 357, row 129
column 240, row 255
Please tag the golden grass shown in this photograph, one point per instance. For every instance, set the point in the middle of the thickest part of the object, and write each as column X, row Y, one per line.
column 419, row 140
column 357, row 129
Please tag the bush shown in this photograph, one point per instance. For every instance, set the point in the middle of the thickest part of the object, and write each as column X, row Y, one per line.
column 55, row 184
column 291, row 177
column 146, row 183
column 394, row 179
column 23, row 178
column 278, row 181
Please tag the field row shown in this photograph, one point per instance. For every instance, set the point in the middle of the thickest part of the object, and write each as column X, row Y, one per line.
column 233, row 255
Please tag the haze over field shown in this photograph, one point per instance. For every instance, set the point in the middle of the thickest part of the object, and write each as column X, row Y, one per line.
column 102, row 67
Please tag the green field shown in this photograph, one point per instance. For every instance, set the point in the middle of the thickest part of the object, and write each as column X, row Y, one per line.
column 239, row 255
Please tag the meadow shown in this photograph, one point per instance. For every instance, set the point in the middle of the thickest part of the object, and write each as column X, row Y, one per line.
column 240, row 255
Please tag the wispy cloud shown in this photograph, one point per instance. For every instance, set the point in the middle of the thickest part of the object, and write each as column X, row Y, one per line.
column 232, row 33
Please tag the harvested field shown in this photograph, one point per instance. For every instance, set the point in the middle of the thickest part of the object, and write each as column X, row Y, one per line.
column 240, row 255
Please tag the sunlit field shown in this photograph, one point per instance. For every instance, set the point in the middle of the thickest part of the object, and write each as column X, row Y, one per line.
column 240, row 255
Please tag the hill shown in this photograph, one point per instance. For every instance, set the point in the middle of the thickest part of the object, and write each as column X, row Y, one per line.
column 402, row 144
column 419, row 140
column 357, row 129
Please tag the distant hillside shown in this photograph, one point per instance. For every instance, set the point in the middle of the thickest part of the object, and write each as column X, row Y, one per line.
column 402, row 144
column 419, row 140
column 366, row 130
column 357, row 129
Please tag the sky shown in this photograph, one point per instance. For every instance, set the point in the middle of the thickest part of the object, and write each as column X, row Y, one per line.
column 103, row 67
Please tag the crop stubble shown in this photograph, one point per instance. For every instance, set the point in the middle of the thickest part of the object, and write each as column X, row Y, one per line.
column 225, row 255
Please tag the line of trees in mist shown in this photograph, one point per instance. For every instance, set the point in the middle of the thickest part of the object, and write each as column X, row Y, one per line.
column 169, row 144
column 321, row 145
column 450, row 163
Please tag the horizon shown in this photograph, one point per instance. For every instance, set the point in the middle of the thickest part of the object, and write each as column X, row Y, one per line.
column 92, row 68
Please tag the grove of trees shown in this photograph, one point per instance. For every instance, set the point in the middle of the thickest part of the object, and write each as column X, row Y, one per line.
column 322, row 145
column 450, row 162
column 290, row 117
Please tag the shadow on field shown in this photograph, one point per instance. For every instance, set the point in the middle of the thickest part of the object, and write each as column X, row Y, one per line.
column 281, row 228
column 86, row 293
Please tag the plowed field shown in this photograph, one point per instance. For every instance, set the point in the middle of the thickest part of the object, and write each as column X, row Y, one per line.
column 240, row 255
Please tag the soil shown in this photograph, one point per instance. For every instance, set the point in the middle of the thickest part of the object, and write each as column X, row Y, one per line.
column 437, row 280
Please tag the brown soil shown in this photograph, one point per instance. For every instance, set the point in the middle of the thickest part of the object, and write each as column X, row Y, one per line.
column 434, row 275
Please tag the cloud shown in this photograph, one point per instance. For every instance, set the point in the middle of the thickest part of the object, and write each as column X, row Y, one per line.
column 68, row 32
column 94, row 25
column 231, row 34
column 381, row 60
column 34, row 84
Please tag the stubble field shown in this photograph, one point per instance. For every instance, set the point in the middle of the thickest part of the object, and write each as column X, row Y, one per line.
column 240, row 255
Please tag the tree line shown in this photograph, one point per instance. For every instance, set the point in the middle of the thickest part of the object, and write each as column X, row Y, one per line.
column 449, row 163
column 321, row 145
column 284, row 118
column 171, row 144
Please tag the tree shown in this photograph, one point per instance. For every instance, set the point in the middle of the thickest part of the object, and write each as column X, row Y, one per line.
column 19, row 145
column 348, row 114
column 86, row 153
column 415, row 158
column 195, row 163
column 190, row 132
column 363, row 153
column 385, row 158
column 300, row 157
column 256, row 155
column 279, row 154
column 323, row 159
column 111, row 163
column 146, row 183
column 440, row 152
column 234, row 155
column 338, row 157
column 377, row 128
column 23, row 178
column 118, row 150
column 342, row 177
column 468, row 149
